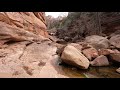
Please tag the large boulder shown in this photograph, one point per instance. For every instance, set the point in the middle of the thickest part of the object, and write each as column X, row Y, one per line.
column 100, row 61
column 90, row 53
column 115, row 40
column 60, row 48
column 97, row 42
column 74, row 57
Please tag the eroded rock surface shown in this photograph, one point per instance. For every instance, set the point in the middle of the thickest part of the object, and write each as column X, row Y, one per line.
column 20, row 26
column 25, row 59
column 30, row 21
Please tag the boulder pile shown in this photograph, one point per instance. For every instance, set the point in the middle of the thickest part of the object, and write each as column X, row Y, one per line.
column 93, row 51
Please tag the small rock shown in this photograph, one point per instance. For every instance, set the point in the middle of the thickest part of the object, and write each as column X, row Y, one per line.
column 100, row 61
column 90, row 53
column 105, row 51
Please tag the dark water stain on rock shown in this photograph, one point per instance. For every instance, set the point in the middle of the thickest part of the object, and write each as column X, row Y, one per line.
column 41, row 63
column 28, row 70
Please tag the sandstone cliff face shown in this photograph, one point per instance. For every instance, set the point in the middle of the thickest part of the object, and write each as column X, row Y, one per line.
column 18, row 31
column 21, row 25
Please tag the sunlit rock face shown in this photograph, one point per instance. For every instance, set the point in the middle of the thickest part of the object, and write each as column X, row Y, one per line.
column 27, row 22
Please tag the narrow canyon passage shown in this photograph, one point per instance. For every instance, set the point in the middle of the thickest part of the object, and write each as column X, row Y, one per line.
column 31, row 49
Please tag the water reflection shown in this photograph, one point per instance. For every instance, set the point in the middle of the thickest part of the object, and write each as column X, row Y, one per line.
column 92, row 72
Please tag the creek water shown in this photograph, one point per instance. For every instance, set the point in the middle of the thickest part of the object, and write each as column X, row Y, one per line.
column 92, row 72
